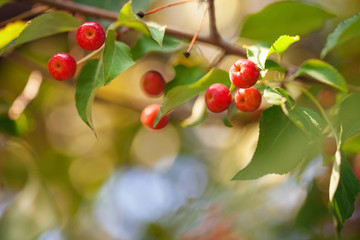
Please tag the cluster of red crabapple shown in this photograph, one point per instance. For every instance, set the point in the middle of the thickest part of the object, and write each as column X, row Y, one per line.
column 90, row 36
column 243, row 74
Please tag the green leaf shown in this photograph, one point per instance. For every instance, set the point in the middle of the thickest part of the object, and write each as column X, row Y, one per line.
column 46, row 25
column 116, row 57
column 306, row 119
column 180, row 93
column 347, row 189
column 128, row 18
column 284, row 18
column 90, row 79
column 184, row 76
column 271, row 65
column 274, row 97
column 199, row 113
column 157, row 33
column 281, row 146
column 344, row 31
column 323, row 72
column 145, row 45
column 349, row 117
column 259, row 52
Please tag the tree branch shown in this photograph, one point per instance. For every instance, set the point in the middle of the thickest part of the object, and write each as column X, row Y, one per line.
column 213, row 29
column 213, row 39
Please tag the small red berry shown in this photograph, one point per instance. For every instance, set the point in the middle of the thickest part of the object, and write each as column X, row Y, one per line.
column 217, row 97
column 148, row 116
column 90, row 36
column 326, row 98
column 244, row 73
column 62, row 66
column 329, row 146
column 153, row 83
column 247, row 99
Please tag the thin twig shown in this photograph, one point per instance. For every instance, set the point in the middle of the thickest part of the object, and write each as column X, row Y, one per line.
column 187, row 53
column 141, row 14
column 90, row 55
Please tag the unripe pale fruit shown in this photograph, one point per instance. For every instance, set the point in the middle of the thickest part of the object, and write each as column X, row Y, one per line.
column 247, row 99
column 90, row 36
column 217, row 98
column 148, row 116
column 244, row 73
column 326, row 98
column 62, row 66
column 153, row 83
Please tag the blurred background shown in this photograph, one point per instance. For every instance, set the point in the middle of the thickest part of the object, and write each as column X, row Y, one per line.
column 58, row 181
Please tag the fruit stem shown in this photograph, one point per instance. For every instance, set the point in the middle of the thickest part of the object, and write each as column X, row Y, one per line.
column 187, row 53
column 141, row 14
column 90, row 55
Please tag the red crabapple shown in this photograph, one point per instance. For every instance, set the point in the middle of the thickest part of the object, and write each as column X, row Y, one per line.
column 326, row 98
column 62, row 66
column 244, row 73
column 153, row 83
column 247, row 99
column 217, row 97
column 90, row 36
column 148, row 116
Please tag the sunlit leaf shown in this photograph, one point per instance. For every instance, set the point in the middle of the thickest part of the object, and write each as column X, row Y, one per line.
column 128, row 18
column 284, row 18
column 46, row 25
column 179, row 94
column 259, row 52
column 11, row 32
column 322, row 72
column 278, row 134
column 116, row 57
column 90, row 79
column 344, row 31
column 282, row 44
